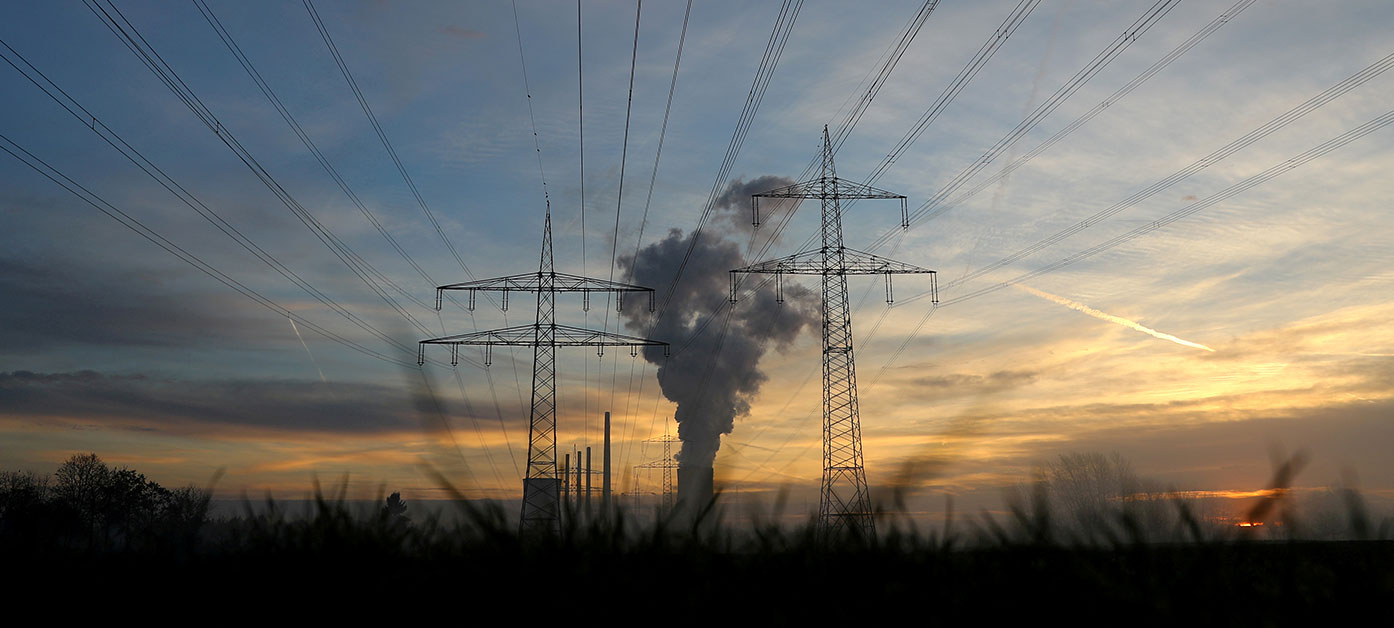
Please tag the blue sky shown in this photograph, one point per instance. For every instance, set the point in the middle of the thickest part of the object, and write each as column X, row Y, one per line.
column 170, row 372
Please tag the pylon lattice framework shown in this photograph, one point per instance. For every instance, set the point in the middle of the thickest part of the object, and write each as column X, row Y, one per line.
column 667, row 464
column 541, row 486
column 844, row 505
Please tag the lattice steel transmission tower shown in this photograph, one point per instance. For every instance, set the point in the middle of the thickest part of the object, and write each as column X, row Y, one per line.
column 844, row 505
column 667, row 464
column 541, row 486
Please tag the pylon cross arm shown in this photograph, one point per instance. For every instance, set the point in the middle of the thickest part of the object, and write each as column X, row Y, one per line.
column 834, row 188
column 543, row 281
column 854, row 263
column 842, row 188
column 534, row 282
column 561, row 336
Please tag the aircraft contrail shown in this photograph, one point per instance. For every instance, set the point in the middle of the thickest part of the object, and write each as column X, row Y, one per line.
column 1080, row 307
column 307, row 350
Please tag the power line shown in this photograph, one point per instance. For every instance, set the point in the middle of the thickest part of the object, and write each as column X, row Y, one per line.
column 1268, row 128
column 134, row 41
column 774, row 48
column 1273, row 172
column 94, row 124
column 985, row 53
column 644, row 219
column 382, row 135
column 581, row 128
column 624, row 154
column 135, row 225
column 532, row 118
column 1209, row 29
column 932, row 206
column 305, row 139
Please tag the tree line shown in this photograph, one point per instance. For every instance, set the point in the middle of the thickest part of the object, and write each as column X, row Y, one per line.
column 89, row 505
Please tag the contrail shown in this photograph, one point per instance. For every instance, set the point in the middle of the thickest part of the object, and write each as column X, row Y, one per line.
column 307, row 350
column 1075, row 305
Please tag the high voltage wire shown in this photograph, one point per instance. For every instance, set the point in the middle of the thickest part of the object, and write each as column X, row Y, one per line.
column 663, row 131
column 1253, row 181
column 644, row 219
column 382, row 135
column 989, row 48
column 892, row 57
column 1156, row 67
column 440, row 414
column 135, row 225
column 581, row 128
column 305, row 139
column 401, row 168
column 624, row 153
column 1277, row 123
column 479, row 433
column 1134, row 31
column 300, row 133
column 774, row 48
column 956, row 86
column 391, row 151
column 266, row 90
column 133, row 40
column 1154, row 13
column 1268, row 128
column 532, row 118
column 619, row 196
column 90, row 121
column 887, row 64
column 547, row 201
column 979, row 60
column 1181, row 49
column 1199, row 36
column 912, row 29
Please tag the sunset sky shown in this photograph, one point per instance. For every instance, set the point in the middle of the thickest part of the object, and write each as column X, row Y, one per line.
column 1271, row 306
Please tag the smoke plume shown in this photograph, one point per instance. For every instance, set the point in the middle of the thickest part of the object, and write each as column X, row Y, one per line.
column 713, row 376
column 734, row 203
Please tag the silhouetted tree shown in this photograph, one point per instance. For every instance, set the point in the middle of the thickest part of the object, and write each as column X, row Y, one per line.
column 80, row 483
column 131, row 504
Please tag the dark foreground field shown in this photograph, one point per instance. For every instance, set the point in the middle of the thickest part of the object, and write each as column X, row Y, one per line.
column 109, row 541
column 338, row 561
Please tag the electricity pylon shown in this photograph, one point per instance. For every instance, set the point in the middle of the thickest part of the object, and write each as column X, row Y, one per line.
column 667, row 464
column 541, row 486
column 844, row 505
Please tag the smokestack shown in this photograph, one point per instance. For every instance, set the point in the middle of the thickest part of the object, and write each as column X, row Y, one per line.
column 566, row 480
column 695, row 488
column 605, row 473
column 588, row 479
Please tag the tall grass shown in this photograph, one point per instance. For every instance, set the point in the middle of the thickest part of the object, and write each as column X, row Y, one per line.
column 695, row 564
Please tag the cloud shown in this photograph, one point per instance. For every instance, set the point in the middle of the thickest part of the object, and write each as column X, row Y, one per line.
column 967, row 383
column 49, row 306
column 231, row 407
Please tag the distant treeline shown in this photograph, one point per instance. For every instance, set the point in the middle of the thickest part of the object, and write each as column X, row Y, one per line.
column 87, row 505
